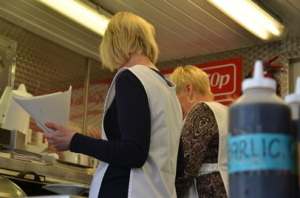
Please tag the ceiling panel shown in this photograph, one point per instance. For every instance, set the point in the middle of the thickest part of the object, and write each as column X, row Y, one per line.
column 195, row 27
column 184, row 28
column 288, row 11
column 47, row 23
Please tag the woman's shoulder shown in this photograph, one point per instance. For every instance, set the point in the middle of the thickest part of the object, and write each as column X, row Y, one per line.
column 199, row 109
column 125, row 75
column 207, row 108
column 217, row 106
column 127, row 80
column 200, row 106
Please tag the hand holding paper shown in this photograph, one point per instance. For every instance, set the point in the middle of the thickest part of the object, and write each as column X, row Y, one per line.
column 53, row 108
column 60, row 138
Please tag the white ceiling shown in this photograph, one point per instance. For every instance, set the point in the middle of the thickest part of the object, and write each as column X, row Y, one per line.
column 184, row 28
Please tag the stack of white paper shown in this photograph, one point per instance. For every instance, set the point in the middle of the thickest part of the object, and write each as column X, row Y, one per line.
column 53, row 107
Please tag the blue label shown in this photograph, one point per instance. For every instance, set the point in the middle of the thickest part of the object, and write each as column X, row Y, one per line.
column 261, row 151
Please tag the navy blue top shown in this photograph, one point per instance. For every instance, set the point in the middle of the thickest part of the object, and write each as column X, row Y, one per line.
column 127, row 126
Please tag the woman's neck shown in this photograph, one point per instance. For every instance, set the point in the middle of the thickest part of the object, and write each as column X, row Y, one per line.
column 203, row 99
column 140, row 59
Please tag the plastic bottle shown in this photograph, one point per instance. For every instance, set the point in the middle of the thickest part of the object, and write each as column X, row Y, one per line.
column 293, row 100
column 260, row 142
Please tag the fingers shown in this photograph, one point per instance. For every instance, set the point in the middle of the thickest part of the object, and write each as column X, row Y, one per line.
column 57, row 144
column 47, row 135
column 60, row 138
column 52, row 126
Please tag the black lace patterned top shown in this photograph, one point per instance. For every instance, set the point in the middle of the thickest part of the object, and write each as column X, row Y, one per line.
column 200, row 138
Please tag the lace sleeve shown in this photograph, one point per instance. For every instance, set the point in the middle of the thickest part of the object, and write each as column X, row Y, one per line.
column 198, row 131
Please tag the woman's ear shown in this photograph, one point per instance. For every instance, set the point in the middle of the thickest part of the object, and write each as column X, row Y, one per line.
column 189, row 89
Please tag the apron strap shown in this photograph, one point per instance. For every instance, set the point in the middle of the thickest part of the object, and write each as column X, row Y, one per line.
column 207, row 168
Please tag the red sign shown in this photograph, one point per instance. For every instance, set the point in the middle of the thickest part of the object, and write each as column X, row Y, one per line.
column 225, row 78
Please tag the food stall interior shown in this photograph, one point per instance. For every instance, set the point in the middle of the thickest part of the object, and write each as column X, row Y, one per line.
column 43, row 52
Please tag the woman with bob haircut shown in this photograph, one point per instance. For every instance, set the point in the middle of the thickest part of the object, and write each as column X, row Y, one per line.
column 203, row 136
column 142, row 118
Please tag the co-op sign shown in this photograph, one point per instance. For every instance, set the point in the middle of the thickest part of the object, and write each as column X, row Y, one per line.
column 225, row 78
column 222, row 78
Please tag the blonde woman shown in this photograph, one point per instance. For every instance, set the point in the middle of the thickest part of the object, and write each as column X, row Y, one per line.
column 203, row 136
column 141, row 124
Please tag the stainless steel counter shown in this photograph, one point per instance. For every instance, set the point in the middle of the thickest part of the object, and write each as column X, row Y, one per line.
column 56, row 172
column 59, row 196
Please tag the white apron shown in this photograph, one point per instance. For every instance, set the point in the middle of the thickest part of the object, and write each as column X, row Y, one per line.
column 157, row 177
column 221, row 115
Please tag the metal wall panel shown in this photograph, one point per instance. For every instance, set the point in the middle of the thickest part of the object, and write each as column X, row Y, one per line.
column 286, row 49
column 46, row 67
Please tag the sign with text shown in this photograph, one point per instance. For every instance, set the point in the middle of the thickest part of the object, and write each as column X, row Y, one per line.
column 225, row 78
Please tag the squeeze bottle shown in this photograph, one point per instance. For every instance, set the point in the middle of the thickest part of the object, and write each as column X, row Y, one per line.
column 293, row 100
column 260, row 142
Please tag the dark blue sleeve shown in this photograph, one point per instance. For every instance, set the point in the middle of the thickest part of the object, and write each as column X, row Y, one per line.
column 180, row 160
column 134, row 124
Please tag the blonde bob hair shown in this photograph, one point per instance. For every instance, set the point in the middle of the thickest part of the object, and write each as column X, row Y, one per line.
column 127, row 33
column 183, row 75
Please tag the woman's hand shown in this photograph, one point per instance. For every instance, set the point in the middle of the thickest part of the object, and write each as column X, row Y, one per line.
column 60, row 138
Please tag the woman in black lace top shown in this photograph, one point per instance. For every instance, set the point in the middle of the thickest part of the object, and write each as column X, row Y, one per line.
column 203, row 136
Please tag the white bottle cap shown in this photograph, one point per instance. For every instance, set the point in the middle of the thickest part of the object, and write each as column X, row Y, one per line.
column 258, row 80
column 294, row 97
column 22, row 88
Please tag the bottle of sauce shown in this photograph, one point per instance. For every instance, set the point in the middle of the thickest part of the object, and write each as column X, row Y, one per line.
column 293, row 100
column 260, row 142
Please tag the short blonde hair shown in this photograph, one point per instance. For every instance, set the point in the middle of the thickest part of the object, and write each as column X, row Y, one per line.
column 127, row 33
column 183, row 75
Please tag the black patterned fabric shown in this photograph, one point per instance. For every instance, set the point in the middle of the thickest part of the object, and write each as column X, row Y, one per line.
column 200, row 138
